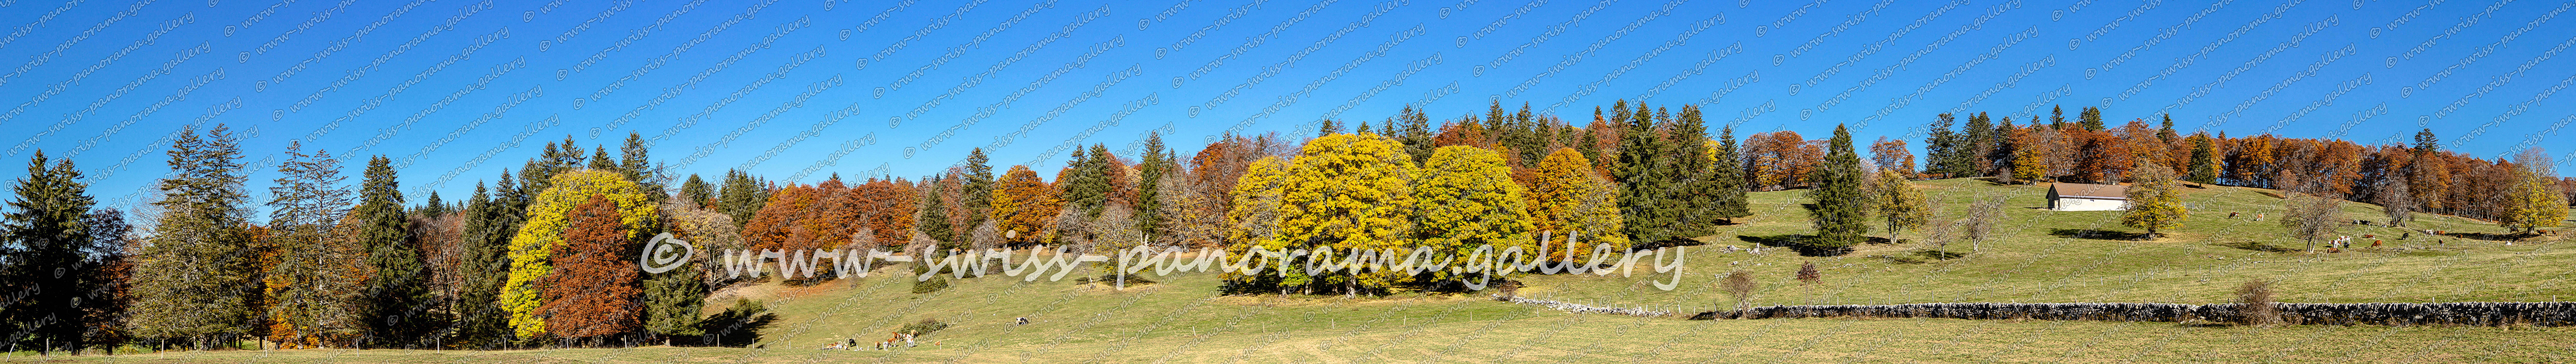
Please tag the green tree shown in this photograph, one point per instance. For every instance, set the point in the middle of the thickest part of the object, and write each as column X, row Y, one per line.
column 1149, row 195
column 1467, row 199
column 1647, row 179
column 697, row 191
column 400, row 306
column 1726, row 172
column 2204, row 160
column 489, row 224
column 1899, row 202
column 742, row 197
column 634, row 161
column 315, row 282
column 1347, row 192
column 977, row 201
column 2090, row 118
column 48, row 225
column 532, row 249
column 197, row 279
column 2155, row 201
column 1840, row 209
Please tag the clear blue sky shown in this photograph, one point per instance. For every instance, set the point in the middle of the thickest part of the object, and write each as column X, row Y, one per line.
column 808, row 88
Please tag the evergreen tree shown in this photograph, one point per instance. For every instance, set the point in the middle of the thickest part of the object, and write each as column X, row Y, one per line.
column 2057, row 116
column 434, row 206
column 634, row 161
column 1840, row 209
column 1149, row 195
column 934, row 218
column 696, row 191
column 1693, row 199
column 1645, row 179
column 2091, row 118
column 316, row 280
column 1416, row 133
column 1942, row 146
column 48, row 225
column 398, row 289
column 489, row 223
column 1088, row 187
column 2204, row 160
column 2155, row 202
column 977, row 200
column 1978, row 142
column 196, row 281
column 742, row 196
column 1727, row 172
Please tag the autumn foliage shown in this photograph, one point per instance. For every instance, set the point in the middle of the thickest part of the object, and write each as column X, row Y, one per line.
column 593, row 292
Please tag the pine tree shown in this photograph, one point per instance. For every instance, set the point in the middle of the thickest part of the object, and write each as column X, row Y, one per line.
column 591, row 294
column 2204, row 160
column 1727, row 171
column 1841, row 208
column 1899, row 202
column 49, row 226
column 399, row 307
column 196, row 281
column 2155, row 201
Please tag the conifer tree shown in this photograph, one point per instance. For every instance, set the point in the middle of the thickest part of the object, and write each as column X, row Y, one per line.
column 1943, row 147
column 318, row 276
column 1691, row 199
column 1646, row 177
column 489, row 223
column 742, row 197
column 398, row 307
column 634, row 161
column 1840, row 207
column 48, row 266
column 1727, row 172
column 2204, row 160
column 197, row 280
column 1149, row 195
column 696, row 191
column 2090, row 118
column 977, row 198
column 2155, row 201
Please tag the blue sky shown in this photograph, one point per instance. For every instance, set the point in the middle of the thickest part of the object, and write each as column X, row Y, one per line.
column 455, row 91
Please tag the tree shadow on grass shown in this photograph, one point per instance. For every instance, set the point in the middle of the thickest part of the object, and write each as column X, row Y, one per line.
column 2255, row 246
column 738, row 326
column 1803, row 244
column 2488, row 236
column 2097, row 234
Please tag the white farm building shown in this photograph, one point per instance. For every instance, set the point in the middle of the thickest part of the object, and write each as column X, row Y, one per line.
column 2087, row 197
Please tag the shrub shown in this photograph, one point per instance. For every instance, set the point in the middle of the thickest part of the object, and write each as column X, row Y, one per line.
column 1739, row 284
column 2254, row 304
column 926, row 326
column 1807, row 273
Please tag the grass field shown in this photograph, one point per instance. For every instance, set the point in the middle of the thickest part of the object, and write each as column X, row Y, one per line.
column 2042, row 258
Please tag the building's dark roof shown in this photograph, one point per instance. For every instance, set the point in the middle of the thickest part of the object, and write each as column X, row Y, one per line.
column 2091, row 191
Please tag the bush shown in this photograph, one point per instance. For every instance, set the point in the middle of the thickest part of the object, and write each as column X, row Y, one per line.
column 926, row 326
column 2254, row 304
column 933, row 285
column 1808, row 273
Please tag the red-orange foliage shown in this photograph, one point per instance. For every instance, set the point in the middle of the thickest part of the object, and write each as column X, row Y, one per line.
column 2100, row 157
column 1780, row 159
column 1023, row 203
column 883, row 207
column 775, row 225
column 592, row 292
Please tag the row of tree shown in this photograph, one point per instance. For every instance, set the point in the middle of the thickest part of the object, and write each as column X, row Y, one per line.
column 545, row 254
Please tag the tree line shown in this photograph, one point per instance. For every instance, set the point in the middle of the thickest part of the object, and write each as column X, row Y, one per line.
column 545, row 255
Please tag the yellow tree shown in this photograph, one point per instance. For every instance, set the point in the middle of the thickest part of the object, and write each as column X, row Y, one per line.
column 2030, row 161
column 1568, row 197
column 2533, row 202
column 532, row 250
column 2155, row 201
column 1022, row 203
column 1899, row 201
column 1348, row 192
column 1254, row 222
column 1467, row 199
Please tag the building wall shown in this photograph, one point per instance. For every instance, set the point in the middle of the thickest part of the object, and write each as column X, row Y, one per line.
column 2086, row 204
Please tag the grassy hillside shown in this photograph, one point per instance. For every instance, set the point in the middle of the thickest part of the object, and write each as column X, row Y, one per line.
column 2040, row 259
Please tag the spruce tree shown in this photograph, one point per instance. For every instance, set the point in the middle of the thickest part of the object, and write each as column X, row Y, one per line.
column 480, row 322
column 1693, row 194
column 977, row 201
column 634, row 160
column 1841, row 209
column 2091, row 118
column 197, row 280
column 1941, row 147
column 1978, row 142
column 2204, row 160
column 1644, row 178
column 1149, row 197
column 1727, row 197
column 47, row 223
column 312, row 283
column 696, row 191
column 398, row 290
column 742, row 196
